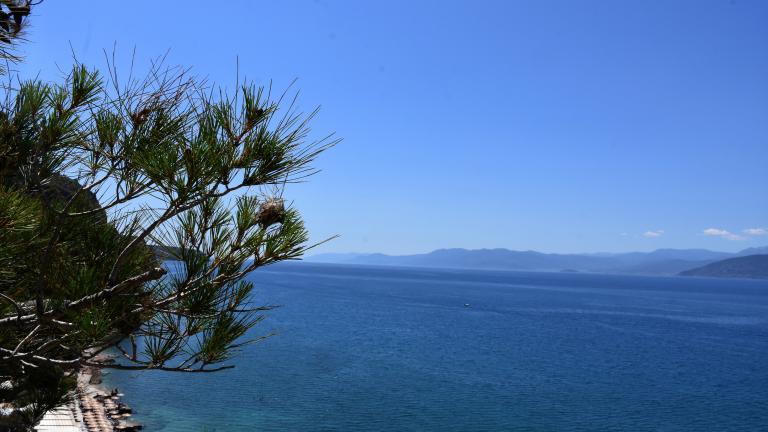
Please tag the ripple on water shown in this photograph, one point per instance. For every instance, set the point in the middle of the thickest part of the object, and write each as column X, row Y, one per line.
column 396, row 350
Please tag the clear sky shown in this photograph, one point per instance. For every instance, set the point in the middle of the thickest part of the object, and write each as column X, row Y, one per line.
column 560, row 126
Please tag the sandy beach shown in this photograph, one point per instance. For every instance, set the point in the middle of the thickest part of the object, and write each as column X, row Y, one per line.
column 101, row 408
column 94, row 409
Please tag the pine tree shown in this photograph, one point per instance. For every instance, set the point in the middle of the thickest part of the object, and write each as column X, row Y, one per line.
column 97, row 179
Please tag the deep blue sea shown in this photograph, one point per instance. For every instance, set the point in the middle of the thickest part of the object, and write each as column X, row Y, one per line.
column 395, row 349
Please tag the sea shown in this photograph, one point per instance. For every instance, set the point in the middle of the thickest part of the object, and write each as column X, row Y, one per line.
column 407, row 349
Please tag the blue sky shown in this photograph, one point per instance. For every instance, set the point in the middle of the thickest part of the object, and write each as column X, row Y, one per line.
column 561, row 126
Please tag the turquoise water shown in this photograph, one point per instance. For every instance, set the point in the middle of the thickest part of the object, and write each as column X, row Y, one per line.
column 393, row 349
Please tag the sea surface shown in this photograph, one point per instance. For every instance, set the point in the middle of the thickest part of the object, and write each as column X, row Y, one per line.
column 397, row 349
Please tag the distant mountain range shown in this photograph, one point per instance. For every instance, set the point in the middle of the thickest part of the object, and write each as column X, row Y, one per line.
column 658, row 262
column 752, row 266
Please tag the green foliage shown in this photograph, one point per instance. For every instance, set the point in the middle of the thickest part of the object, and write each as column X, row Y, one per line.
column 13, row 15
column 91, row 171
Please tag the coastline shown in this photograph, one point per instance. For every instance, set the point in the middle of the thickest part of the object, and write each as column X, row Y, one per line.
column 94, row 408
column 100, row 409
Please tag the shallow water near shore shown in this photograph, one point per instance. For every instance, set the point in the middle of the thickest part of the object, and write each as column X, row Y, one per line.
column 395, row 349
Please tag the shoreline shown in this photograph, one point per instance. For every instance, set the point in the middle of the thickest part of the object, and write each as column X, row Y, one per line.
column 93, row 408
column 100, row 409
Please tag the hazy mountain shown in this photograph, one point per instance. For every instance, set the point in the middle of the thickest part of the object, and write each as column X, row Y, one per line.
column 658, row 262
column 754, row 251
column 674, row 254
column 659, row 267
column 751, row 266
column 487, row 259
